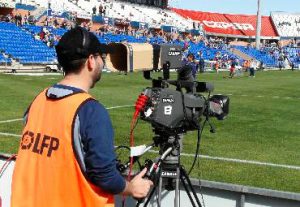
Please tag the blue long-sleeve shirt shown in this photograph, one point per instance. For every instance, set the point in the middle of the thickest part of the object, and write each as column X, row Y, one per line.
column 193, row 65
column 96, row 142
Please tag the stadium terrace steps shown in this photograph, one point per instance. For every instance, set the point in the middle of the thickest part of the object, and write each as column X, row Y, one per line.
column 38, row 13
column 241, row 54
column 261, row 56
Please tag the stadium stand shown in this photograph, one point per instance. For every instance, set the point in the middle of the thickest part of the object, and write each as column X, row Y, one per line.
column 287, row 25
column 206, row 35
column 61, row 6
column 7, row 4
column 293, row 55
column 24, row 48
column 262, row 56
column 155, row 17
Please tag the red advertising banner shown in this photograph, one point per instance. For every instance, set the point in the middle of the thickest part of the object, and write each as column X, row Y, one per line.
column 230, row 24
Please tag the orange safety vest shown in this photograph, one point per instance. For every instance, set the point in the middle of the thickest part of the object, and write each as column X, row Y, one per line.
column 46, row 172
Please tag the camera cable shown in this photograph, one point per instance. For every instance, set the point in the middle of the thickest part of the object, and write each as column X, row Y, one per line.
column 139, row 105
column 6, row 164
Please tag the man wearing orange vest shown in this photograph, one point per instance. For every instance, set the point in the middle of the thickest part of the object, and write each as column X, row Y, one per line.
column 66, row 155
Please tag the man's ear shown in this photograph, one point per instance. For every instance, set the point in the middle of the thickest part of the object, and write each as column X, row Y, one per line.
column 90, row 62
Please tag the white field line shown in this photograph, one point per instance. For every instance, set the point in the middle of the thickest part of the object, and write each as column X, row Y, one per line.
column 11, row 120
column 116, row 107
column 293, row 167
column 113, row 107
column 260, row 96
column 10, row 135
column 245, row 161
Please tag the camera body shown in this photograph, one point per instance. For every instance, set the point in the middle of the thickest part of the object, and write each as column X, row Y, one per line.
column 173, row 111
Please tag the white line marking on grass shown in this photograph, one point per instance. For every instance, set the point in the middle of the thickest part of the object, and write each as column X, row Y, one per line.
column 245, row 161
column 183, row 154
column 12, row 120
column 10, row 135
column 36, row 74
column 108, row 108
column 239, row 161
column 116, row 107
column 261, row 96
column 293, row 167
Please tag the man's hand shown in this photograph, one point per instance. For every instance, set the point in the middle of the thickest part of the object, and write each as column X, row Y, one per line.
column 138, row 187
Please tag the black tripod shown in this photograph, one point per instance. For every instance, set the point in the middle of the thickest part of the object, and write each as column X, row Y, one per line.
column 168, row 167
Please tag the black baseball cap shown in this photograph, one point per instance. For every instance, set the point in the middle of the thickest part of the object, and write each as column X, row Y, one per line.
column 78, row 43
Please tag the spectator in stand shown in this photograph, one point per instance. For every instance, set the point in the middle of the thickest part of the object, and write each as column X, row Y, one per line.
column 94, row 10
column 25, row 19
column 42, row 34
column 55, row 23
column 18, row 19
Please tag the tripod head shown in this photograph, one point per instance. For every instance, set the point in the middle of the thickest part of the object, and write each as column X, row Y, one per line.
column 164, row 142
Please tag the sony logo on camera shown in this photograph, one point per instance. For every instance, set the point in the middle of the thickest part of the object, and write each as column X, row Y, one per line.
column 168, row 100
column 174, row 52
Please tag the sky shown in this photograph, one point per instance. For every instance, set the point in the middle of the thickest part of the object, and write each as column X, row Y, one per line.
column 238, row 6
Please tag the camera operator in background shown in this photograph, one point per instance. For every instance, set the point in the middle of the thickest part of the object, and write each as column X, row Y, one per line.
column 66, row 156
column 190, row 61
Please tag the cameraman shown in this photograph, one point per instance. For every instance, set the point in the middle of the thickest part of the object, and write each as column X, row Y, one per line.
column 66, row 156
column 190, row 61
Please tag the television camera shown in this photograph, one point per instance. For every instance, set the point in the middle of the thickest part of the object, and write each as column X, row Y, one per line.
column 172, row 112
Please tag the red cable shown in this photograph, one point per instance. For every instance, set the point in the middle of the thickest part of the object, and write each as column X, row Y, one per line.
column 3, row 169
column 6, row 163
column 139, row 105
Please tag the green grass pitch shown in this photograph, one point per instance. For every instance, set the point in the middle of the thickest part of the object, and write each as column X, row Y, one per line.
column 263, row 124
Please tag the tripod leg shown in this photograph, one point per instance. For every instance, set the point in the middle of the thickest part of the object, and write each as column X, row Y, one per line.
column 185, row 176
column 187, row 191
column 176, row 202
column 149, row 197
column 159, row 191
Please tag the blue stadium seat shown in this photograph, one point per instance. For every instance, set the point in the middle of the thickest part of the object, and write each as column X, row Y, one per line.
column 21, row 45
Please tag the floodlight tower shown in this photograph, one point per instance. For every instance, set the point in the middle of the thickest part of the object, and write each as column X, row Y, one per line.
column 258, row 26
